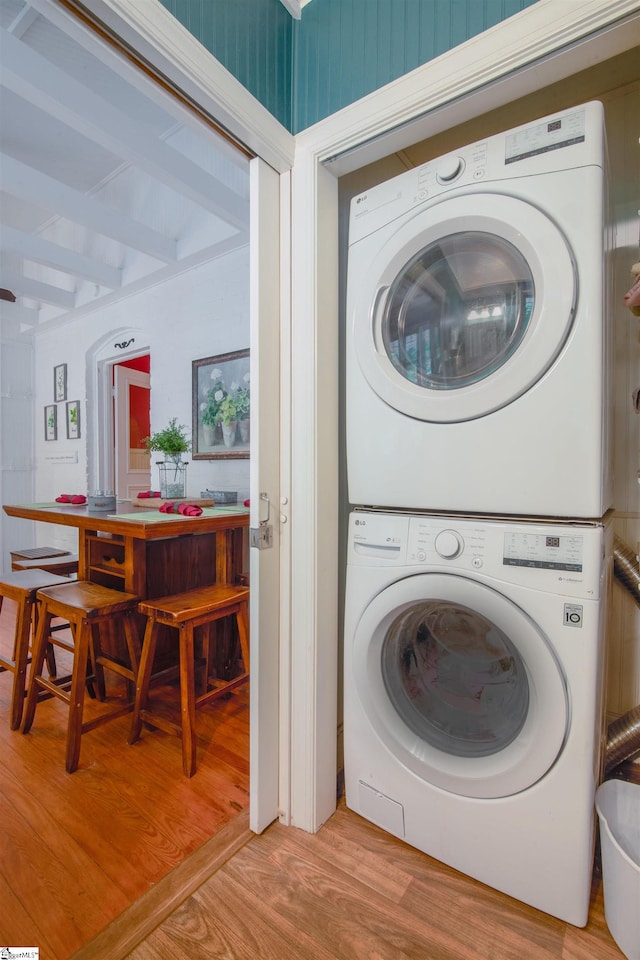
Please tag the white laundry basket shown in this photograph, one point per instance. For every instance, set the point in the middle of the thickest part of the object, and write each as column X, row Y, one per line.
column 618, row 806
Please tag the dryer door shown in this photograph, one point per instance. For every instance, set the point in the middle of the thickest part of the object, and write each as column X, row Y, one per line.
column 464, row 308
column 460, row 685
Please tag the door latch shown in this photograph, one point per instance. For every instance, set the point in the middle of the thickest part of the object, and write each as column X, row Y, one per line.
column 261, row 537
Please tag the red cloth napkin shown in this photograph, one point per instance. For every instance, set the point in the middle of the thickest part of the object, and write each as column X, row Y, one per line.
column 71, row 498
column 186, row 509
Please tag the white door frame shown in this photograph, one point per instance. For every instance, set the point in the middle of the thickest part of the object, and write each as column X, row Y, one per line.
column 494, row 68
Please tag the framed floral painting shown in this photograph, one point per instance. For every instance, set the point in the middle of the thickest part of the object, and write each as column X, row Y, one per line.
column 221, row 392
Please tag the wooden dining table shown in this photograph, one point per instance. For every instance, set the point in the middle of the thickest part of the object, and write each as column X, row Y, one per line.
column 152, row 554
column 148, row 553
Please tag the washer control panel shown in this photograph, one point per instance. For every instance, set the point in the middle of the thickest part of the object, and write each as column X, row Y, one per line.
column 549, row 551
column 556, row 557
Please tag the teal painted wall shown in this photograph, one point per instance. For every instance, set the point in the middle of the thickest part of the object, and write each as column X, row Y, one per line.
column 304, row 70
column 253, row 39
column 344, row 49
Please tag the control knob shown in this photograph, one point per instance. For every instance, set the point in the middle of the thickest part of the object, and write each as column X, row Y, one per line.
column 449, row 169
column 449, row 544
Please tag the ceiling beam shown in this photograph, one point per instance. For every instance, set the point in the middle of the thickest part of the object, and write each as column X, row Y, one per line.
column 36, row 290
column 23, row 21
column 35, row 79
column 29, row 184
column 60, row 258
column 13, row 311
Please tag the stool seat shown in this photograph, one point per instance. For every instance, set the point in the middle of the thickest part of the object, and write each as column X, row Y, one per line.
column 185, row 612
column 88, row 607
column 65, row 566
column 22, row 587
column 35, row 553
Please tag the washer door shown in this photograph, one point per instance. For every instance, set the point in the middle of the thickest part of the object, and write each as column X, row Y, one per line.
column 460, row 685
column 465, row 308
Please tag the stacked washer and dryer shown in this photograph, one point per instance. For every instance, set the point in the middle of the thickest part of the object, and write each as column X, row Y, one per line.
column 479, row 549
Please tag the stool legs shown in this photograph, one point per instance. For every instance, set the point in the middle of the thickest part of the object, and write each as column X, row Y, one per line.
column 144, row 677
column 87, row 651
column 188, row 699
column 20, row 658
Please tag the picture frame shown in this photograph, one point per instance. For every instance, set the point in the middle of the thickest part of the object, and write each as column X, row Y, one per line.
column 73, row 419
column 51, row 422
column 60, row 382
column 221, row 407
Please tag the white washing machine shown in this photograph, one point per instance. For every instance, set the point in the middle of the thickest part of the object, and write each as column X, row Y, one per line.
column 473, row 694
column 477, row 352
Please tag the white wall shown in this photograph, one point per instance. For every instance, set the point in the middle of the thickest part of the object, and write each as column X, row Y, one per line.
column 199, row 314
column 16, row 434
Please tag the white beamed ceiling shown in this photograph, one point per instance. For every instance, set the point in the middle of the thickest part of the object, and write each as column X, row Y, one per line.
column 107, row 184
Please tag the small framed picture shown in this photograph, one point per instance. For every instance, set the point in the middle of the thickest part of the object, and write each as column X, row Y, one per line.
column 51, row 422
column 60, row 382
column 73, row 419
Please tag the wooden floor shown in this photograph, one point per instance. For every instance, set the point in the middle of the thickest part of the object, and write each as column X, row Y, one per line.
column 76, row 850
column 351, row 892
column 128, row 859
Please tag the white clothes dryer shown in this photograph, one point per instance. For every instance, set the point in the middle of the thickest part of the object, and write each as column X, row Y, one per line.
column 477, row 346
column 474, row 694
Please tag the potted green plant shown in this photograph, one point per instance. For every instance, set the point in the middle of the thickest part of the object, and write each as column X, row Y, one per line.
column 173, row 442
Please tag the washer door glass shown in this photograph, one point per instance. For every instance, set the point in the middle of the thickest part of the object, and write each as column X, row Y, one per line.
column 455, row 678
column 458, row 310
column 461, row 308
column 460, row 684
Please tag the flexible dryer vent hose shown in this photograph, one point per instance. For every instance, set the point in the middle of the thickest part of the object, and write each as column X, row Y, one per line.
column 623, row 735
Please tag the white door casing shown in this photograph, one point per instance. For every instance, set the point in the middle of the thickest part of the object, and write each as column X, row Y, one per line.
column 264, row 485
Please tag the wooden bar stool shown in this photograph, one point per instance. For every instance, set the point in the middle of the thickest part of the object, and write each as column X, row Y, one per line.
column 22, row 587
column 35, row 553
column 185, row 612
column 64, row 566
column 87, row 606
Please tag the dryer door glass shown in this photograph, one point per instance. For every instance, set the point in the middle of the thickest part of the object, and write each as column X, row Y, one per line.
column 455, row 678
column 458, row 310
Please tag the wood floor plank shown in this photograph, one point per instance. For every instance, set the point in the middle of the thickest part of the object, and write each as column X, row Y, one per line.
column 117, row 826
column 17, row 924
column 144, row 915
column 283, row 896
column 283, row 868
column 225, row 920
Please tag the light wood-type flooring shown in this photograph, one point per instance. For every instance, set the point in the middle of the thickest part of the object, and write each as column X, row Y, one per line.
column 76, row 850
column 351, row 892
column 127, row 859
